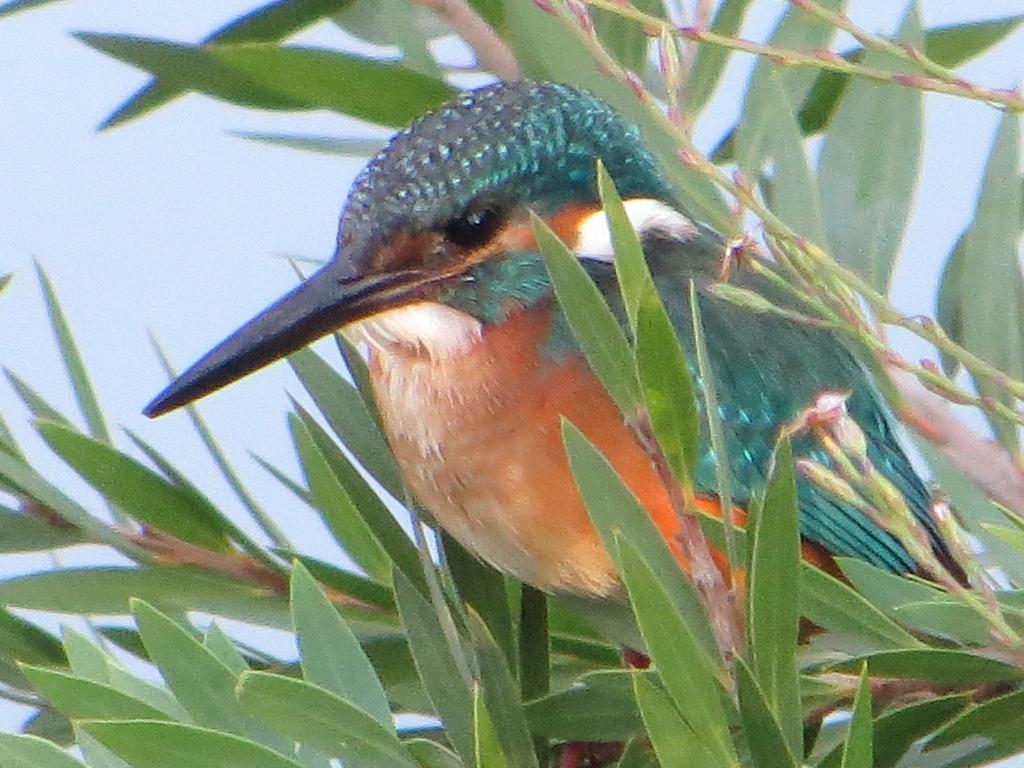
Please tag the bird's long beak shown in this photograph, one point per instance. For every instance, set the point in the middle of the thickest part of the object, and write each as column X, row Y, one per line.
column 328, row 300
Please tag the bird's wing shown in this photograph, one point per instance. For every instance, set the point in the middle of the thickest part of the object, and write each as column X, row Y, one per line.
column 767, row 369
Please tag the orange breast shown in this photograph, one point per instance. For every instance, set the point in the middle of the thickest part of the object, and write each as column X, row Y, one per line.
column 478, row 437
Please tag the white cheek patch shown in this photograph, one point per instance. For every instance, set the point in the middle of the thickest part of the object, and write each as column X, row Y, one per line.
column 649, row 217
column 437, row 330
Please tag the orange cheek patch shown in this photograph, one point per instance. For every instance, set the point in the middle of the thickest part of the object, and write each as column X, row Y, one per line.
column 518, row 236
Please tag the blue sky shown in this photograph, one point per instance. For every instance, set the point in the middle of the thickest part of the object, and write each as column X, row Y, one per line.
column 171, row 225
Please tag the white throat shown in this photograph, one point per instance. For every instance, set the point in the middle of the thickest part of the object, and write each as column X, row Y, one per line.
column 426, row 328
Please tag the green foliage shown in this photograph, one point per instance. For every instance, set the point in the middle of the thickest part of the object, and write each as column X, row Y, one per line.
column 498, row 674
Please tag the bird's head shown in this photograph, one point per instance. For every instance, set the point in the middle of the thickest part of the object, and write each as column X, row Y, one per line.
column 441, row 210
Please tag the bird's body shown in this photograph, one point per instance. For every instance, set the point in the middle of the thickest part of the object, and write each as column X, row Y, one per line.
column 474, row 366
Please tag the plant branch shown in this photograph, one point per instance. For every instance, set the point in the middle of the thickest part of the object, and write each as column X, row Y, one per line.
column 822, row 59
column 491, row 51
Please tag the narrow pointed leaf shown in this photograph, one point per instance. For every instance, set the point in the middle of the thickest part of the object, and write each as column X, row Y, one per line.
column 349, row 416
column 20, row 532
column 940, row 665
column 688, row 678
column 592, row 322
column 765, row 739
column 220, row 645
column 630, row 263
column 35, row 402
column 895, row 731
column 336, row 507
column 25, row 642
column 369, row 89
column 19, row 751
column 953, row 45
column 137, row 490
column 379, row 520
column 870, row 167
column 331, row 654
column 82, row 699
column 488, row 749
column 448, row 691
column 666, row 386
column 198, row 679
column 615, row 511
column 312, row 715
column 73, row 363
column 324, row 145
column 430, row 754
column 151, row 744
column 674, row 741
column 858, row 751
column 711, row 60
column 272, row 22
column 774, row 608
column 600, row 706
column 991, row 285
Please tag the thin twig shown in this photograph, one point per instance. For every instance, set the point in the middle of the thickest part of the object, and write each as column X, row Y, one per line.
column 493, row 53
column 822, row 60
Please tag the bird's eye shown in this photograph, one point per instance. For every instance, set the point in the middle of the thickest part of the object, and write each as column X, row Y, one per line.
column 474, row 228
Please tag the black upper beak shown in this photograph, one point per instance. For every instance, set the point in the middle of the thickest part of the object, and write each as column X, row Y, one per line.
column 328, row 300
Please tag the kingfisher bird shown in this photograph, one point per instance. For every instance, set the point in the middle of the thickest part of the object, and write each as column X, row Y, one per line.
column 438, row 277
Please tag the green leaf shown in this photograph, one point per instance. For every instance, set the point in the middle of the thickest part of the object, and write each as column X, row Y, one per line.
column 35, row 402
column 366, row 503
column 349, row 417
column 18, row 751
column 631, row 268
column 485, row 740
column 448, row 690
column 501, row 697
column 323, row 145
column 534, row 643
column 17, row 474
column 688, row 677
column 220, row 645
column 336, row 507
column 149, row 744
column 667, row 388
column 198, row 679
column 275, row 21
column 990, row 288
column 82, row 699
column 24, row 641
column 615, row 511
column 937, row 665
column 107, row 590
column 765, row 739
column 348, row 583
column 870, row 166
column 997, row 720
column 793, row 191
column 674, row 741
column 317, row 717
column 73, row 364
column 369, row 89
column 137, row 490
column 711, row 60
column 858, row 751
column 592, row 322
column 833, row 605
column 773, row 616
column 624, row 38
column 20, row 532
column 430, row 754
column 483, row 589
column 331, row 654
column 953, row 45
column 897, row 730
column 797, row 30
column 600, row 706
